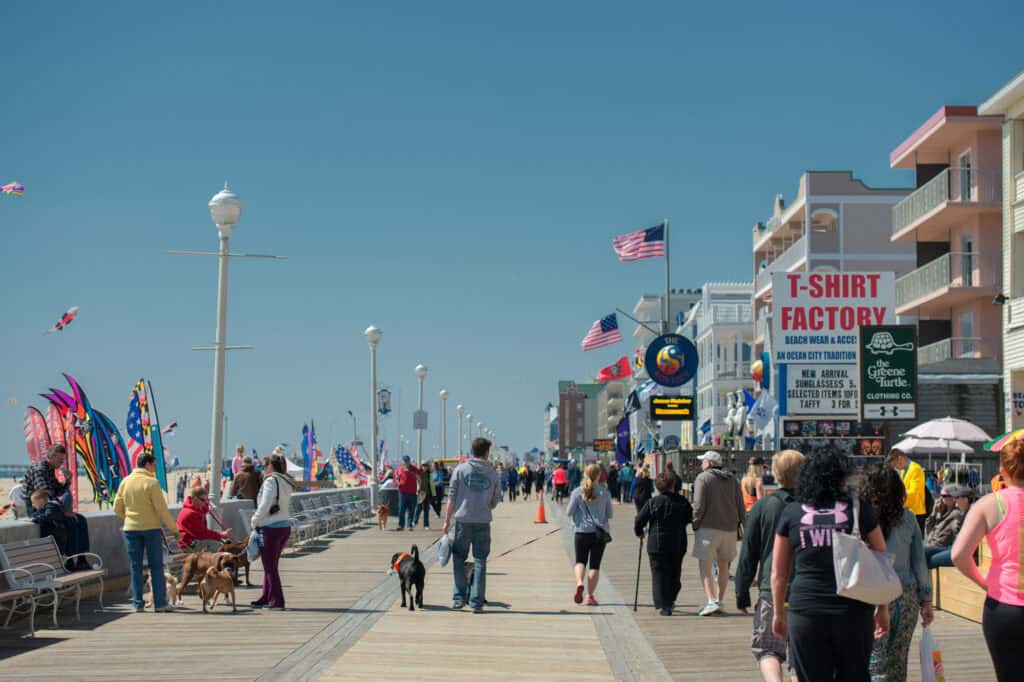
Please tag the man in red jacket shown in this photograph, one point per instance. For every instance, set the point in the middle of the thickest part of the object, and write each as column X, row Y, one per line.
column 195, row 534
column 406, row 480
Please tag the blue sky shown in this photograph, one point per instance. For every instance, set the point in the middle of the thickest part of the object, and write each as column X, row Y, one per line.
column 451, row 172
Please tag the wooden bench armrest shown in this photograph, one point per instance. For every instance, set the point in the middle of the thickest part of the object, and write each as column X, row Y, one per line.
column 86, row 554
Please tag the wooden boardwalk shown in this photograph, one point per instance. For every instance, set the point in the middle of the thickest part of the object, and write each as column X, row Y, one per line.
column 343, row 623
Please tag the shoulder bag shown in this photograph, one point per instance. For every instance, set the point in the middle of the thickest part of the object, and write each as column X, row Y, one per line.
column 603, row 536
column 861, row 572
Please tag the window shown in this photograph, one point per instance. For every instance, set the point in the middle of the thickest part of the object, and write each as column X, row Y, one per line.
column 967, row 260
column 965, row 176
column 967, row 344
column 579, row 407
column 579, row 422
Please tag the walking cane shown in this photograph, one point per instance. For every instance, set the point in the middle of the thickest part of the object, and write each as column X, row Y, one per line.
column 639, row 560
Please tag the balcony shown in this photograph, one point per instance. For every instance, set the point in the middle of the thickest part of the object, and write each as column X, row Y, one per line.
column 948, row 280
column 944, row 201
column 787, row 261
column 969, row 354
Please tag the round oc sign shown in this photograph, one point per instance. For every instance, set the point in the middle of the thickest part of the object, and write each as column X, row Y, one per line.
column 671, row 360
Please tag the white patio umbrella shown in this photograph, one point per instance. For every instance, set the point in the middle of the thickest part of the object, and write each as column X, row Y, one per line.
column 949, row 429
column 929, row 446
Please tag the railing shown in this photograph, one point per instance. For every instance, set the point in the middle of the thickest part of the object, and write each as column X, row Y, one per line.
column 953, row 270
column 956, row 348
column 732, row 370
column 727, row 313
column 1018, row 196
column 961, row 185
column 787, row 259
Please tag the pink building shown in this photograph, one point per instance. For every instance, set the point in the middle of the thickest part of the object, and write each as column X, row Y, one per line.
column 954, row 220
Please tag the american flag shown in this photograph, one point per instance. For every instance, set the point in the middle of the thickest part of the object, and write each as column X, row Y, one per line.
column 345, row 460
column 134, row 429
column 649, row 243
column 603, row 332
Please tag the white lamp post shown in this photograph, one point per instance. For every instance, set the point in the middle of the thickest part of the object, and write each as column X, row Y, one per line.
column 469, row 435
column 444, row 424
column 373, row 338
column 458, row 418
column 225, row 209
column 479, row 429
column 421, row 374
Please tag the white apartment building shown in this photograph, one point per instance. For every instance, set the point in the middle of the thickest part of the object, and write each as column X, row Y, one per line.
column 725, row 343
column 1008, row 102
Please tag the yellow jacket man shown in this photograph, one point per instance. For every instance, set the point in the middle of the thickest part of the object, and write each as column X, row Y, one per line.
column 141, row 503
column 913, row 481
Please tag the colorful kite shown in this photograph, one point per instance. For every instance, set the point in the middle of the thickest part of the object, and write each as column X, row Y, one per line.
column 64, row 320
column 15, row 188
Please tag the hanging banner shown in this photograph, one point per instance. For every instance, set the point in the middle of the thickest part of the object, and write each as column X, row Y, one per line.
column 816, row 315
column 888, row 372
column 822, row 390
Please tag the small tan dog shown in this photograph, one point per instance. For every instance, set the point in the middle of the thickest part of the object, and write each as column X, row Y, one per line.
column 174, row 596
column 382, row 516
column 216, row 582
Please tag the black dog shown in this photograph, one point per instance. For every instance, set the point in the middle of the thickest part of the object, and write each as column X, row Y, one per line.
column 410, row 572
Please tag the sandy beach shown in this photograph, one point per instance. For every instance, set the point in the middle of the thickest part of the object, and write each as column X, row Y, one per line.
column 85, row 503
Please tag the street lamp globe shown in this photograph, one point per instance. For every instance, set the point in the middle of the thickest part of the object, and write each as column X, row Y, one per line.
column 444, row 394
column 372, row 335
column 421, row 371
column 225, row 208
column 459, row 408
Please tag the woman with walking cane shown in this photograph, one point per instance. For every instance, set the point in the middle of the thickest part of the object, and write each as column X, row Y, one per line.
column 665, row 517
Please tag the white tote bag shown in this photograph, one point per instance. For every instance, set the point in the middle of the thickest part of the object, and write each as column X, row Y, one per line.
column 861, row 572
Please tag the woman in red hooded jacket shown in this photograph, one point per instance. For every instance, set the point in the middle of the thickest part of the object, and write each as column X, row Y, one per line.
column 195, row 534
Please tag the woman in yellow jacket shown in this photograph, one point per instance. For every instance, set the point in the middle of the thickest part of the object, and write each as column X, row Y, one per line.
column 913, row 481
column 140, row 502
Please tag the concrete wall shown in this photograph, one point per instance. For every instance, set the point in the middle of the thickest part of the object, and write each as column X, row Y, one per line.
column 106, row 540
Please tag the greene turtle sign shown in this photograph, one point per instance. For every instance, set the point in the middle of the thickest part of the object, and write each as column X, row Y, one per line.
column 887, row 360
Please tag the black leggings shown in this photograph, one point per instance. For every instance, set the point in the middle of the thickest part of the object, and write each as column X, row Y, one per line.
column 588, row 550
column 1003, row 625
column 833, row 647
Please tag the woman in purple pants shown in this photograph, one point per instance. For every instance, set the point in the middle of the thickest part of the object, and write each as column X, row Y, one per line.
column 271, row 518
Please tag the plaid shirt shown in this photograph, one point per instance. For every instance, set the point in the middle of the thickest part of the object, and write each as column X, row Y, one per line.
column 41, row 476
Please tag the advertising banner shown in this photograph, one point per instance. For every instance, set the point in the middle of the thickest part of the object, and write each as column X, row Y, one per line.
column 667, row 408
column 822, row 390
column 816, row 315
column 888, row 372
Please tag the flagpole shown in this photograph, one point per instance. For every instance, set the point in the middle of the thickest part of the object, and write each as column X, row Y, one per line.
column 668, row 290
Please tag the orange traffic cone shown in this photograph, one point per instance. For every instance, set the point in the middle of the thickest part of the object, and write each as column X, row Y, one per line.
column 541, row 518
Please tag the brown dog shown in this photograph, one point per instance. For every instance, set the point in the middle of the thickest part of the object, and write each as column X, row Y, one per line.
column 237, row 549
column 173, row 593
column 382, row 516
column 216, row 582
column 197, row 564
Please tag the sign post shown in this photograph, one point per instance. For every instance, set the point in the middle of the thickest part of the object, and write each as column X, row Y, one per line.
column 887, row 360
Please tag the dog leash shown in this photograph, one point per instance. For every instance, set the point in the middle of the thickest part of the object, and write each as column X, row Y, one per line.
column 528, row 542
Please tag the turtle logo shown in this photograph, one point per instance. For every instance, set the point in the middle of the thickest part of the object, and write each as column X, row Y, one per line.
column 882, row 343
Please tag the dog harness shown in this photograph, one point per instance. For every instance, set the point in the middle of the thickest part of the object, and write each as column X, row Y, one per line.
column 401, row 557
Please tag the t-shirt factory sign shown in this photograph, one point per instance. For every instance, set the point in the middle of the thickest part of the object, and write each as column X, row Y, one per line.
column 816, row 315
column 821, row 390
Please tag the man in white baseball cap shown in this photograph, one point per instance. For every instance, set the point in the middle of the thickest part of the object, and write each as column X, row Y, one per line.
column 717, row 517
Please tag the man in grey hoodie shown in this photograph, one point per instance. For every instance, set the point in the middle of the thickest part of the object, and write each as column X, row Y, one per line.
column 472, row 494
column 717, row 517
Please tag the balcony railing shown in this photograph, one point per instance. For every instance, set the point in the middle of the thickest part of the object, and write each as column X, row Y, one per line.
column 960, row 185
column 951, row 271
column 732, row 370
column 956, row 348
column 786, row 260
column 1018, row 197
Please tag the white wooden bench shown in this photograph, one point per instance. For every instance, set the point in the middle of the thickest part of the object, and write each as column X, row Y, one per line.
column 43, row 568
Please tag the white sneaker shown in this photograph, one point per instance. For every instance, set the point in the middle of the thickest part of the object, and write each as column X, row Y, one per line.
column 709, row 609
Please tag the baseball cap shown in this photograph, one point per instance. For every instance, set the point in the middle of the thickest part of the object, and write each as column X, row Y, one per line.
column 406, row 458
column 711, row 456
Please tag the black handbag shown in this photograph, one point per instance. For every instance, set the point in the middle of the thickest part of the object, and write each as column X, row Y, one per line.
column 603, row 536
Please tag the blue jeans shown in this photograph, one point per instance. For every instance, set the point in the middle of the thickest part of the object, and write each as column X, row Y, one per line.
column 477, row 535
column 152, row 543
column 406, row 509
column 938, row 556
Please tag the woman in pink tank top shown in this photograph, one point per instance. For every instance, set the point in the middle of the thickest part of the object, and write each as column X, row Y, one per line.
column 999, row 518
